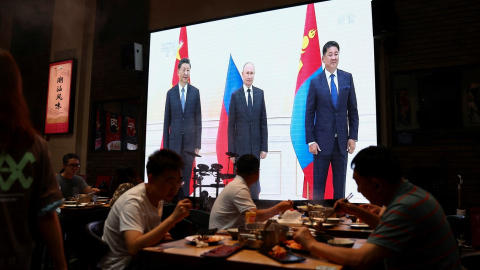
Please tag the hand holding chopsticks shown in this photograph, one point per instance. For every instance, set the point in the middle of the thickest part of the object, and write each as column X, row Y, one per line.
column 335, row 208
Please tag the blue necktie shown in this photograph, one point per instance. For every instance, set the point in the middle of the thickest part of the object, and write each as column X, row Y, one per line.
column 333, row 88
column 249, row 104
column 182, row 99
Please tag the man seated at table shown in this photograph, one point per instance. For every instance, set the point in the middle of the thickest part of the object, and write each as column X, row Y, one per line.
column 413, row 233
column 135, row 222
column 235, row 200
column 70, row 183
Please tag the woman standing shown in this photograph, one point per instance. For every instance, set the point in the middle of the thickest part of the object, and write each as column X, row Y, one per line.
column 29, row 193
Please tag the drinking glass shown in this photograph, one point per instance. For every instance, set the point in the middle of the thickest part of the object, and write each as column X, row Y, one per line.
column 75, row 192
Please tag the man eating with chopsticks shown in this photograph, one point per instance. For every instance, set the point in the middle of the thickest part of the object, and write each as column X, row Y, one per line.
column 413, row 233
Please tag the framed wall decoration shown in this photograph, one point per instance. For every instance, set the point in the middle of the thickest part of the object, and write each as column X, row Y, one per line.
column 60, row 97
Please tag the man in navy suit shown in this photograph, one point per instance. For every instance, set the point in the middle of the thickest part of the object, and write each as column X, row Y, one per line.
column 331, row 122
column 182, row 127
column 247, row 122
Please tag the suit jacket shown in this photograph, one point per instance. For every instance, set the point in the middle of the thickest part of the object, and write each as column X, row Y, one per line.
column 322, row 118
column 177, row 123
column 247, row 134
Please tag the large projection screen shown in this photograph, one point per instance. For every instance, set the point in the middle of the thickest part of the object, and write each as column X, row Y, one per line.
column 272, row 41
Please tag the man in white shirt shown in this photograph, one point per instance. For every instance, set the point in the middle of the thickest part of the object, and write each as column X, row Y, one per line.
column 235, row 200
column 135, row 222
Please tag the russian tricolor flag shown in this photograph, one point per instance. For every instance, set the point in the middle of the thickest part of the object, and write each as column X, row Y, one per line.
column 233, row 82
column 310, row 66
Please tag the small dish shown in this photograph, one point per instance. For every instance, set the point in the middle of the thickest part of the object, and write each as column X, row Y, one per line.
column 328, row 225
column 333, row 220
column 233, row 233
column 70, row 202
column 341, row 242
column 359, row 226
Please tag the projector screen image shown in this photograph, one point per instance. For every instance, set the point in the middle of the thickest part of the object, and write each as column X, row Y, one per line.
column 285, row 46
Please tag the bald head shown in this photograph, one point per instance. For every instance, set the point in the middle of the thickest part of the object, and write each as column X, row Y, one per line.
column 248, row 74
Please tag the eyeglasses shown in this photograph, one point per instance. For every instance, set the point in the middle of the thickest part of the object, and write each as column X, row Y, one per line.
column 175, row 184
column 73, row 165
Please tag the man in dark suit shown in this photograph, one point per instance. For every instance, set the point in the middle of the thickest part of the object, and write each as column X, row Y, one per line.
column 331, row 122
column 182, row 127
column 247, row 122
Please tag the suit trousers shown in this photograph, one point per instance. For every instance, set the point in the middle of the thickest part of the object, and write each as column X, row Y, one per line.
column 186, row 173
column 339, row 171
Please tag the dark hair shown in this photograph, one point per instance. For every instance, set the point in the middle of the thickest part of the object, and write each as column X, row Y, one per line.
column 247, row 164
column 184, row 61
column 378, row 162
column 127, row 174
column 69, row 156
column 162, row 160
column 17, row 129
column 330, row 44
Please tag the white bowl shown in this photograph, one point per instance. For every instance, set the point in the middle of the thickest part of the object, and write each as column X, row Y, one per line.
column 341, row 242
column 333, row 220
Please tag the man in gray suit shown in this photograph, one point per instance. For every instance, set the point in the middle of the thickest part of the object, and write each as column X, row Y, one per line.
column 182, row 127
column 247, row 122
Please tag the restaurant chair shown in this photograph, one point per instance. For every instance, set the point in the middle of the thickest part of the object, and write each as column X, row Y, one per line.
column 103, row 183
column 97, row 246
column 471, row 260
column 458, row 225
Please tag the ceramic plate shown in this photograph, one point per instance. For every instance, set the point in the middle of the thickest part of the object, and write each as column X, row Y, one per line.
column 94, row 204
column 212, row 239
column 74, row 205
column 359, row 226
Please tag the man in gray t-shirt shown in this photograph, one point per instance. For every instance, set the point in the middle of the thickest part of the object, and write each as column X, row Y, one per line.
column 70, row 183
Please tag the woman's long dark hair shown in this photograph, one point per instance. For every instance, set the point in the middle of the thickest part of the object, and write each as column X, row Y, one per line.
column 16, row 126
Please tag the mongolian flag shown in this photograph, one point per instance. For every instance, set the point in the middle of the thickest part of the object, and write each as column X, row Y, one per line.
column 182, row 52
column 310, row 66
column 233, row 82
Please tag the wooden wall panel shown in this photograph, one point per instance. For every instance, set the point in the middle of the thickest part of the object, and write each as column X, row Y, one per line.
column 433, row 34
column 118, row 23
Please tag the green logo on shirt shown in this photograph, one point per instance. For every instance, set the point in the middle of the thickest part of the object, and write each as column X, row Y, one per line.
column 15, row 170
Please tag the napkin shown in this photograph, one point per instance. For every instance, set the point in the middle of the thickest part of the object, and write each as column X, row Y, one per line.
column 292, row 215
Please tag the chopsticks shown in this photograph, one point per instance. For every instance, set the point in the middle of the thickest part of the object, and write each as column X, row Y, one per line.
column 335, row 209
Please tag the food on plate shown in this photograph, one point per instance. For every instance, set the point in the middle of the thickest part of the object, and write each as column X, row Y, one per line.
column 204, row 240
column 278, row 252
column 208, row 239
column 292, row 244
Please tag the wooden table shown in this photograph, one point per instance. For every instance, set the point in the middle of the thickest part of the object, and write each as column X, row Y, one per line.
column 183, row 254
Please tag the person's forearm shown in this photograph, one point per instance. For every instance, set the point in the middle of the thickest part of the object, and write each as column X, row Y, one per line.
column 51, row 231
column 265, row 214
column 340, row 255
column 153, row 237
